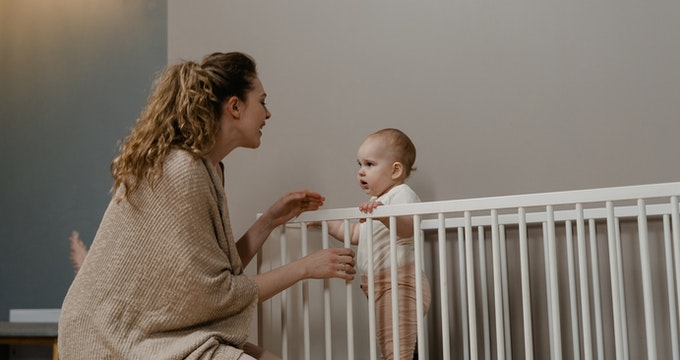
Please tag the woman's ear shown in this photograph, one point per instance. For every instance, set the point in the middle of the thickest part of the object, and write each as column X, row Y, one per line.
column 397, row 170
column 233, row 106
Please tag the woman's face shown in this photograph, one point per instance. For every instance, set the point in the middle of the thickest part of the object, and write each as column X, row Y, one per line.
column 253, row 114
column 241, row 122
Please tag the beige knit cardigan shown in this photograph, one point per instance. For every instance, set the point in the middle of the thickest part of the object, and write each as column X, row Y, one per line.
column 163, row 278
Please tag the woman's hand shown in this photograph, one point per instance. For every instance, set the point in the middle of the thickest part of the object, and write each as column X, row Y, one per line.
column 329, row 263
column 284, row 209
column 292, row 205
column 322, row 264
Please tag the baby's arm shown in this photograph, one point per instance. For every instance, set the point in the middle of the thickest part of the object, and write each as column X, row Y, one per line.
column 404, row 223
column 336, row 229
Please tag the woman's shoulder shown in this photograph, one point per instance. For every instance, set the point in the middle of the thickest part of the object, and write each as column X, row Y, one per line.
column 180, row 160
column 181, row 156
column 181, row 165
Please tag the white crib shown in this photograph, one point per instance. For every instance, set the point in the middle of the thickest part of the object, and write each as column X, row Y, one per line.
column 592, row 274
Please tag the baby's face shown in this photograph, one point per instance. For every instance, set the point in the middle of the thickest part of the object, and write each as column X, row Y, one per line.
column 375, row 167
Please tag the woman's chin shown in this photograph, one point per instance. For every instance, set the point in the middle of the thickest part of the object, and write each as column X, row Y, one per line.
column 254, row 144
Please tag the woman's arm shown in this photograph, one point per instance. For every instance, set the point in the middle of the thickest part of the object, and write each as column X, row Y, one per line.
column 322, row 264
column 286, row 208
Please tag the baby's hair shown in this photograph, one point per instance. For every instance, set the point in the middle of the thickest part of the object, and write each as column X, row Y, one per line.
column 403, row 149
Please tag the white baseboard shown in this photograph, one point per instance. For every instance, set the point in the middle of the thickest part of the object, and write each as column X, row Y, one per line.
column 34, row 315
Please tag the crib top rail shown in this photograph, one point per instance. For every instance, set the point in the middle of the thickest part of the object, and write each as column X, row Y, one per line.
column 589, row 196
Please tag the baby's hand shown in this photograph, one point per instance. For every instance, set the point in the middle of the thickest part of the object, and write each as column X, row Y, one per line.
column 368, row 207
column 313, row 223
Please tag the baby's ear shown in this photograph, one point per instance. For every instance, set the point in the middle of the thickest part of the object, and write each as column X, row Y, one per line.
column 397, row 170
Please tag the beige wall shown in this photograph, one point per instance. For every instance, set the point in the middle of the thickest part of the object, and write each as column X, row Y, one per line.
column 499, row 97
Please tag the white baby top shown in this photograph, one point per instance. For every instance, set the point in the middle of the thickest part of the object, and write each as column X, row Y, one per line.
column 400, row 194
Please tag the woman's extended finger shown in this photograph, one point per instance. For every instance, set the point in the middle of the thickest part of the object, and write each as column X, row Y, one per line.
column 309, row 200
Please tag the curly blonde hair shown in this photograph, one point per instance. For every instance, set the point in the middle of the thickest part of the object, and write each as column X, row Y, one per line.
column 183, row 111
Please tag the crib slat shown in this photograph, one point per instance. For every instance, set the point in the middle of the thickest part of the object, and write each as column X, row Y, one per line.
column 395, row 285
column 675, row 221
column 327, row 298
column 371, row 290
column 614, row 276
column 572, row 290
column 348, row 293
column 463, row 297
column 305, row 297
column 671, row 287
column 486, row 338
column 548, row 288
column 284, row 297
column 597, row 299
column 506, row 300
column 472, row 312
column 526, row 291
column 622, row 291
column 498, row 286
column 646, row 281
column 554, row 294
column 443, row 284
column 583, row 282
column 418, row 246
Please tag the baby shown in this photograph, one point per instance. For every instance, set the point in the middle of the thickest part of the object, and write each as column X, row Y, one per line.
column 386, row 160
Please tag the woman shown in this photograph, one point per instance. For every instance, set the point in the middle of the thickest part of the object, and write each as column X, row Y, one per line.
column 164, row 277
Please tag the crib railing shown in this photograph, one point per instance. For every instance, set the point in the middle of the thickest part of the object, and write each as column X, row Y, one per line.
column 592, row 274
